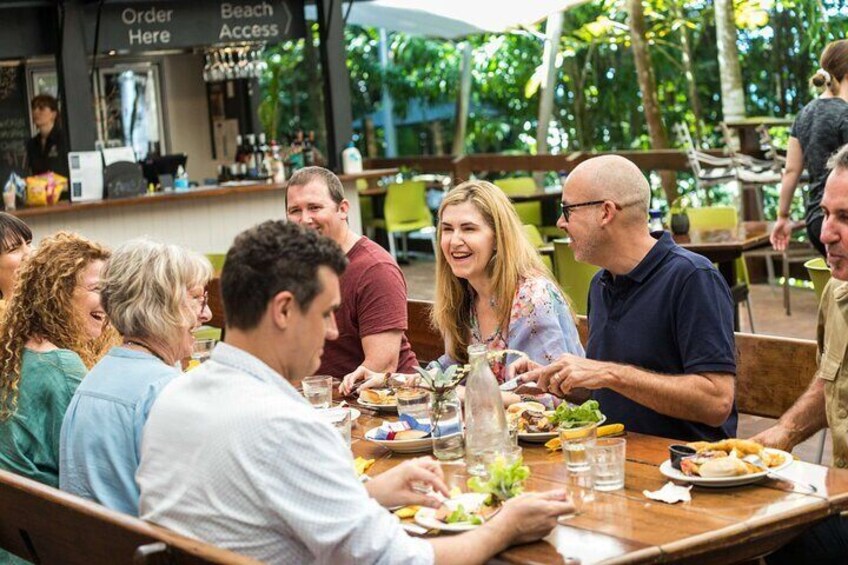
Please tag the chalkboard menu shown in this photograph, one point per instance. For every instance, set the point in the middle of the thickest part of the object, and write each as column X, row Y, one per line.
column 14, row 130
column 148, row 26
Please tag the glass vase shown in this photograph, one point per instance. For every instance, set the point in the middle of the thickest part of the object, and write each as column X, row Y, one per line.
column 446, row 419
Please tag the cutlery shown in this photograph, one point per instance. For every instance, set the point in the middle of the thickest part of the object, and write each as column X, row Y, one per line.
column 757, row 461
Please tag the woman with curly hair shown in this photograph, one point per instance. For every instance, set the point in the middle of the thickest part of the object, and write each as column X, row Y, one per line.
column 492, row 288
column 53, row 330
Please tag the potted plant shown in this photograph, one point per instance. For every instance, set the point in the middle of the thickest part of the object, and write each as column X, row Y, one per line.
column 679, row 219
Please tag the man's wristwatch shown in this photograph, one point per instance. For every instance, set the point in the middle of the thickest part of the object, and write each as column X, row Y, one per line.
column 783, row 215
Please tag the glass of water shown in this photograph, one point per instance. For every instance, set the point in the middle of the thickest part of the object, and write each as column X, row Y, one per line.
column 576, row 446
column 580, row 486
column 318, row 391
column 608, row 457
column 202, row 350
column 415, row 402
column 339, row 418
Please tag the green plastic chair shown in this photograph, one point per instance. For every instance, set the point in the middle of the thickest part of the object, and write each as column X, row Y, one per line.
column 406, row 211
column 530, row 213
column 573, row 276
column 723, row 218
column 366, row 208
column 217, row 260
column 207, row 332
column 532, row 233
column 819, row 274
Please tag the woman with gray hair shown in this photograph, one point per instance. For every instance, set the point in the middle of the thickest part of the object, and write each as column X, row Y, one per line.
column 154, row 295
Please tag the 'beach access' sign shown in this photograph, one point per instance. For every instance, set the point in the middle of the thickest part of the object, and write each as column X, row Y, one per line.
column 150, row 26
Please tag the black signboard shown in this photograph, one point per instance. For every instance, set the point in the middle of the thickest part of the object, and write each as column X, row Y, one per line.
column 149, row 26
column 27, row 32
column 14, row 121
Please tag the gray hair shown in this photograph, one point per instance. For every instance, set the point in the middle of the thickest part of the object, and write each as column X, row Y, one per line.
column 839, row 160
column 145, row 286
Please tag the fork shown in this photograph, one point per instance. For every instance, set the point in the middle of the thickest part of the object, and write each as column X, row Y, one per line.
column 758, row 462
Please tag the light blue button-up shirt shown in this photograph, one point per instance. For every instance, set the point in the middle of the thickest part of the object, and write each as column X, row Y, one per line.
column 100, row 443
column 233, row 455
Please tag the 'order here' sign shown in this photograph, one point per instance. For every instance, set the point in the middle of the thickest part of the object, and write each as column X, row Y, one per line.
column 145, row 26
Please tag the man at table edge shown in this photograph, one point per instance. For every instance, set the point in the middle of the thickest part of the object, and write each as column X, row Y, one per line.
column 234, row 455
column 825, row 402
column 661, row 355
column 372, row 319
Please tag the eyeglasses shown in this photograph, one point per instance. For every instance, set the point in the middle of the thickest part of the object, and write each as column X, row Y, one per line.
column 567, row 208
column 203, row 300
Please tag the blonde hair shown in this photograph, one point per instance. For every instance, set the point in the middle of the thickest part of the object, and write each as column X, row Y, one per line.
column 145, row 287
column 42, row 306
column 514, row 258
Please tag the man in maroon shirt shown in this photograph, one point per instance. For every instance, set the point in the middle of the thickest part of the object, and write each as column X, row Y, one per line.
column 372, row 319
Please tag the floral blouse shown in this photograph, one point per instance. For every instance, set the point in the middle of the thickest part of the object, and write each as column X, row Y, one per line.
column 540, row 324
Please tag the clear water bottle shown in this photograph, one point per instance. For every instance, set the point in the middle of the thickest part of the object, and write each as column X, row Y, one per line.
column 655, row 222
column 486, row 430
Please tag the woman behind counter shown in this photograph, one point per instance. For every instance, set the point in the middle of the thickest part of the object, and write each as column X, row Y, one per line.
column 47, row 151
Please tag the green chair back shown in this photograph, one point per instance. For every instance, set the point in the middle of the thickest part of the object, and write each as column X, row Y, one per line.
column 819, row 274
column 406, row 207
column 529, row 212
column 719, row 218
column 532, row 233
column 217, row 260
column 573, row 276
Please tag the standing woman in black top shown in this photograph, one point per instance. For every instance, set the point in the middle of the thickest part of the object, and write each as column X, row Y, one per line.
column 47, row 151
column 819, row 130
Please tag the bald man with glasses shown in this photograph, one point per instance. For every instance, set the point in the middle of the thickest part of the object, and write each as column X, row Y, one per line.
column 661, row 355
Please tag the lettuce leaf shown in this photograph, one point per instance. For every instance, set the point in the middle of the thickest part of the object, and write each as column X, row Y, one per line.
column 567, row 416
column 506, row 480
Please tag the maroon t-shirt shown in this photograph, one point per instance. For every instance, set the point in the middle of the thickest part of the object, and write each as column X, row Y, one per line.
column 373, row 301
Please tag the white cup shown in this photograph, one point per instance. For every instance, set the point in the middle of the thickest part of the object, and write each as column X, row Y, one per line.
column 9, row 200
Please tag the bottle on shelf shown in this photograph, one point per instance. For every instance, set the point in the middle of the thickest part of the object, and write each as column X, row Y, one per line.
column 351, row 160
column 250, row 156
column 655, row 222
column 181, row 180
column 262, row 158
column 296, row 153
column 486, row 431
column 278, row 169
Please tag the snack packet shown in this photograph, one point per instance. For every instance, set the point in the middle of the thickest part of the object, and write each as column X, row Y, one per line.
column 45, row 189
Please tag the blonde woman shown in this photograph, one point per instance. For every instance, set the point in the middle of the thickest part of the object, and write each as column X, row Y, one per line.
column 155, row 296
column 492, row 287
column 53, row 330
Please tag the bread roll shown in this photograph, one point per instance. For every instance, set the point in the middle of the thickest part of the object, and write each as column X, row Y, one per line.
column 411, row 434
column 723, row 467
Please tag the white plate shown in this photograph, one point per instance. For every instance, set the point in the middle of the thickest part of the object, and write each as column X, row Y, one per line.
column 672, row 473
column 378, row 407
column 401, row 445
column 542, row 437
column 354, row 413
column 427, row 516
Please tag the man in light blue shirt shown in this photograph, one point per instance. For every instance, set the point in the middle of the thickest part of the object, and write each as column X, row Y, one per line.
column 232, row 454
column 154, row 295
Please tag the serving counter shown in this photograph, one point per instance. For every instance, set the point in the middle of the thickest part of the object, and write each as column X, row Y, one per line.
column 205, row 219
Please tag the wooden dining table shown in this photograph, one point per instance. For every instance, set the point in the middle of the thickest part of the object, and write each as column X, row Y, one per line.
column 719, row 525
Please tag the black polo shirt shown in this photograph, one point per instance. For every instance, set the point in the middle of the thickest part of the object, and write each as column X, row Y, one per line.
column 672, row 315
column 52, row 157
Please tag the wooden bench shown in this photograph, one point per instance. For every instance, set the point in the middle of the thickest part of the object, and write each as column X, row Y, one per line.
column 45, row 525
column 771, row 372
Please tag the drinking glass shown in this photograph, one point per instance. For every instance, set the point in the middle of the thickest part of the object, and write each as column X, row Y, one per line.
column 580, row 486
column 318, row 391
column 415, row 402
column 202, row 350
column 576, row 446
column 608, row 457
column 339, row 418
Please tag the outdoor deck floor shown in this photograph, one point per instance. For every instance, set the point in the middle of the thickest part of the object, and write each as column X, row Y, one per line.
column 769, row 318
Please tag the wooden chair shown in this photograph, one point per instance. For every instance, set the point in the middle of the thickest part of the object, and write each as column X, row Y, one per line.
column 45, row 525
column 216, row 305
column 426, row 341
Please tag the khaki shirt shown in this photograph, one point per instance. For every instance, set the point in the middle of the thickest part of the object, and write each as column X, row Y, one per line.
column 832, row 341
